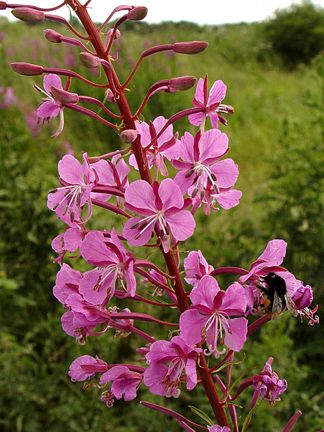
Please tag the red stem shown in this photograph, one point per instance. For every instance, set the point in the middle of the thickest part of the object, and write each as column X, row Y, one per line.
column 171, row 256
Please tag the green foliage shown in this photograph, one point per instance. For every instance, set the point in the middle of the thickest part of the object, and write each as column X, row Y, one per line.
column 296, row 33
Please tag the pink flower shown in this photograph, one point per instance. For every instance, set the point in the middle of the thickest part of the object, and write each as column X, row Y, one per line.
column 68, row 241
column 67, row 283
column 211, row 103
column 201, row 171
column 114, row 263
column 112, row 173
column 209, row 320
column 124, row 383
column 267, row 384
column 169, row 362
column 84, row 367
column 69, row 200
column 196, row 267
column 166, row 146
column 159, row 206
column 272, row 287
column 50, row 107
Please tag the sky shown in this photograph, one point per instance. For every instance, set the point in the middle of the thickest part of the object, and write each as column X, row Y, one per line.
column 201, row 12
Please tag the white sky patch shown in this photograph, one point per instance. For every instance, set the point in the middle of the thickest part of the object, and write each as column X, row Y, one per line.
column 202, row 12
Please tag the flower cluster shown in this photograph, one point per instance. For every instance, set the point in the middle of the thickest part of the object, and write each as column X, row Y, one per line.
column 177, row 176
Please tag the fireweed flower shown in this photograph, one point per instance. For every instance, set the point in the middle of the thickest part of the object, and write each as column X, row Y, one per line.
column 68, row 241
column 211, row 103
column 67, row 283
column 199, row 167
column 166, row 146
column 267, row 384
column 196, row 267
column 160, row 206
column 169, row 362
column 209, row 318
column 7, row 97
column 50, row 107
column 113, row 264
column 85, row 367
column 69, row 200
column 124, row 384
column 262, row 285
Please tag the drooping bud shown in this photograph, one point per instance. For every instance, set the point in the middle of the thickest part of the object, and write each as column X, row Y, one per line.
column 28, row 14
column 53, row 36
column 88, row 60
column 3, row 5
column 193, row 47
column 128, row 136
column 181, row 83
column 109, row 95
column 27, row 68
column 138, row 13
column 64, row 96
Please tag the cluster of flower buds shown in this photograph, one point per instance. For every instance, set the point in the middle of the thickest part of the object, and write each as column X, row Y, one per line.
column 157, row 210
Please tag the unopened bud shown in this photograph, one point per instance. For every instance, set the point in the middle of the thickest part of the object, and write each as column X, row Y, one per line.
column 128, row 136
column 110, row 32
column 193, row 47
column 53, row 36
column 137, row 13
column 109, row 95
column 88, row 60
column 28, row 14
column 181, row 83
column 27, row 68
column 64, row 96
column 3, row 5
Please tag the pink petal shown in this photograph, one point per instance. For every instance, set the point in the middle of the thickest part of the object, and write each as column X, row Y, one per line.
column 70, row 170
column 113, row 373
column 144, row 132
column 77, row 373
column 197, row 119
column 48, row 109
column 217, row 92
column 95, row 251
column 205, row 292
column 191, row 325
column 90, row 290
column 236, row 336
column 226, row 172
column 274, row 252
column 158, row 124
column 234, row 302
column 72, row 239
column 140, row 197
column 182, row 224
column 199, row 93
column 170, row 194
column 133, row 236
column 228, row 199
column 191, row 373
column 51, row 80
column 212, row 145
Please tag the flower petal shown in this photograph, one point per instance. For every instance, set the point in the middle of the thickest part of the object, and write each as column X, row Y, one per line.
column 236, row 335
column 182, row 224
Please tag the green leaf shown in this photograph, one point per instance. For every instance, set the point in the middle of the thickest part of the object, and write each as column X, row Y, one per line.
column 201, row 414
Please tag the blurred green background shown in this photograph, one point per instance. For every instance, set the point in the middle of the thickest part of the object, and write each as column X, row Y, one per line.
column 274, row 71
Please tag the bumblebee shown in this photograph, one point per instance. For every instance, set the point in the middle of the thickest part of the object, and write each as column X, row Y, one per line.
column 274, row 293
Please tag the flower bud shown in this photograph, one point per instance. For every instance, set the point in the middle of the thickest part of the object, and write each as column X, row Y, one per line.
column 28, row 14
column 128, row 136
column 181, row 83
column 193, row 47
column 137, row 13
column 53, row 36
column 109, row 95
column 110, row 32
column 88, row 60
column 3, row 5
column 27, row 68
column 64, row 96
